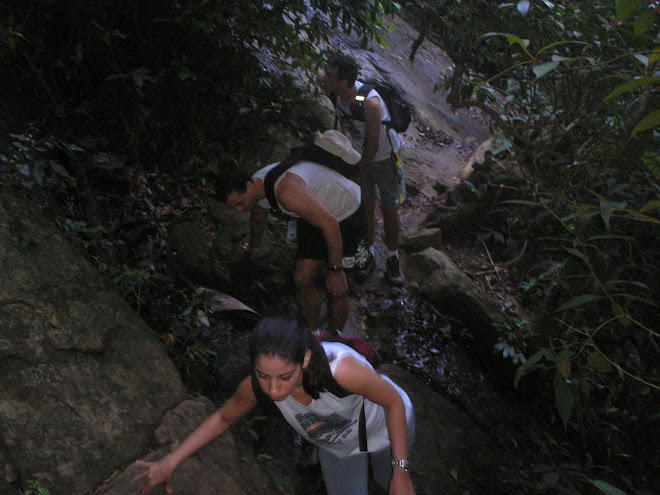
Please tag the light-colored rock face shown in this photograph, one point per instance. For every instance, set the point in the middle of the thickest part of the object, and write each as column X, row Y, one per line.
column 83, row 380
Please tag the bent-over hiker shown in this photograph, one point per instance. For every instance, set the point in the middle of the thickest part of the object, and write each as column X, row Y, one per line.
column 330, row 223
column 295, row 370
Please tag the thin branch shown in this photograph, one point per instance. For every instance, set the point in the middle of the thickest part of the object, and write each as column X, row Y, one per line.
column 507, row 263
column 492, row 262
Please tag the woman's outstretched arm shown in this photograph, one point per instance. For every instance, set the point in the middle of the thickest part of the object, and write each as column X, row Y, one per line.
column 238, row 405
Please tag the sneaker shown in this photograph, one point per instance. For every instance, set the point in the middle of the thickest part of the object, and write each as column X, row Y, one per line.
column 362, row 274
column 394, row 275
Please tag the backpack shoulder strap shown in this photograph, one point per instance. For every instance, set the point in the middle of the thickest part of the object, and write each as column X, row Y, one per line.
column 274, row 173
column 365, row 89
column 338, row 391
column 357, row 106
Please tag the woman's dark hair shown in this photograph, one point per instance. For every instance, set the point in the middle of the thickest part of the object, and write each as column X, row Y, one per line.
column 347, row 68
column 229, row 181
column 289, row 340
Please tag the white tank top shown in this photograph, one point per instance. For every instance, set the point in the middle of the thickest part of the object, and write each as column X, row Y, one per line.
column 331, row 422
column 356, row 128
column 338, row 194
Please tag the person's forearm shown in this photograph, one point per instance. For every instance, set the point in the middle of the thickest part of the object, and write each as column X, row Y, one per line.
column 258, row 218
column 367, row 157
column 334, row 243
column 397, row 428
column 210, row 429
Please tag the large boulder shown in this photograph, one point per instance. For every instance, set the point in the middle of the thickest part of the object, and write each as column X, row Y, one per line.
column 451, row 455
column 447, row 287
column 83, row 380
column 226, row 465
column 420, row 239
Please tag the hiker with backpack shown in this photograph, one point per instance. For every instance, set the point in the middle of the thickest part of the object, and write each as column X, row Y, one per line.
column 330, row 224
column 372, row 126
column 322, row 389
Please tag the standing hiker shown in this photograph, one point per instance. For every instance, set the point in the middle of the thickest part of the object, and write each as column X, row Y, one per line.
column 380, row 164
column 296, row 371
column 330, row 221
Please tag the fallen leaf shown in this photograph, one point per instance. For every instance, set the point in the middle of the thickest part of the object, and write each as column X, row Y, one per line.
column 217, row 301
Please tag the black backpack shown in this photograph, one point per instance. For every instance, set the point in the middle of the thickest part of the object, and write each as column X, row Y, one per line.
column 304, row 153
column 400, row 111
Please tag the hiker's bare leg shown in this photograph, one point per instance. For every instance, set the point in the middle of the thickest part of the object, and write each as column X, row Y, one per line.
column 337, row 312
column 307, row 293
column 391, row 228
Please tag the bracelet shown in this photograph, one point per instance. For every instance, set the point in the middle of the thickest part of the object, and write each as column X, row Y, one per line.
column 402, row 463
column 336, row 268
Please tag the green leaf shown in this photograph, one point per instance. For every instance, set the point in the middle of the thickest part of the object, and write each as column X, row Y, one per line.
column 631, row 282
column 557, row 43
column 640, row 299
column 520, row 202
column 38, row 173
column 106, row 161
column 606, row 488
column 642, row 218
column 651, row 120
column 607, row 208
column 564, row 366
column 59, row 169
column 576, row 253
column 643, row 23
column 528, row 366
column 202, row 318
column 564, row 397
column 599, row 363
column 578, row 301
column 655, row 56
column 651, row 205
column 621, row 316
column 543, row 69
column 625, row 7
column 630, row 85
column 512, row 38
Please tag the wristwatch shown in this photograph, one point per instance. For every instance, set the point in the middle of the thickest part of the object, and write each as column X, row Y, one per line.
column 402, row 463
column 336, row 268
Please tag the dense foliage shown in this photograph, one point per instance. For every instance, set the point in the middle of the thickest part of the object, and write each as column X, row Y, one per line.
column 573, row 88
column 166, row 81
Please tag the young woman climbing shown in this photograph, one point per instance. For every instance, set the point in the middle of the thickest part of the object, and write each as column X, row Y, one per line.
column 294, row 369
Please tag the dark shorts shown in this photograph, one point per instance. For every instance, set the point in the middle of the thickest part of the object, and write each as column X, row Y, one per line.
column 312, row 246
